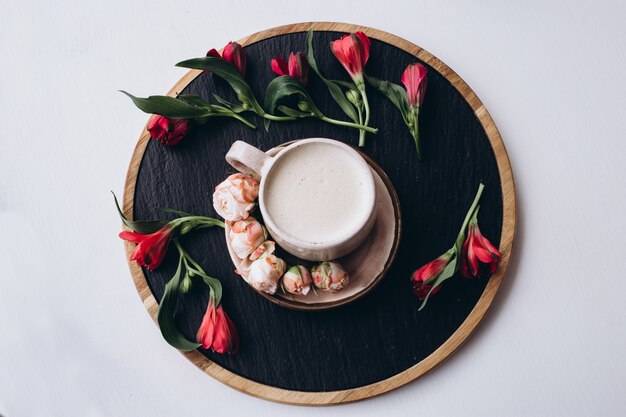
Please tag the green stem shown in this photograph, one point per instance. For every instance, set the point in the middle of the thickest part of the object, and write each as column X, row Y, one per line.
column 468, row 216
column 366, row 104
column 186, row 258
column 242, row 120
column 361, row 132
column 201, row 220
column 348, row 124
column 416, row 136
column 277, row 118
column 367, row 115
column 181, row 250
column 361, row 138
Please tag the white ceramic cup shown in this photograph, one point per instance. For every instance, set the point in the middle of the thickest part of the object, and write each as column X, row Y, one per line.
column 250, row 160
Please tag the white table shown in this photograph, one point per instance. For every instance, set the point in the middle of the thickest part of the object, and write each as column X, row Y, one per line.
column 75, row 339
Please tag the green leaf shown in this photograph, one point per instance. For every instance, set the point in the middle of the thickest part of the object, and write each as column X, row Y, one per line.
column 194, row 100
column 285, row 86
column 177, row 212
column 395, row 93
column 167, row 310
column 229, row 73
column 333, row 86
column 447, row 272
column 292, row 112
column 347, row 84
column 214, row 284
column 237, row 108
column 168, row 106
column 187, row 224
column 140, row 226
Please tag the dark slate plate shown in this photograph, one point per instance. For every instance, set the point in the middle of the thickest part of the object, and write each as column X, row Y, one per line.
column 382, row 334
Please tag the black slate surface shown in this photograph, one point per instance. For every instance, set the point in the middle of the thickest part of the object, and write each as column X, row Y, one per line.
column 381, row 334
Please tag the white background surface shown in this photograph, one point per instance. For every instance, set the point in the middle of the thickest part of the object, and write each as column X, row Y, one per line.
column 75, row 338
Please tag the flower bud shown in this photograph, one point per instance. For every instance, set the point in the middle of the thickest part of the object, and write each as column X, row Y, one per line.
column 186, row 228
column 415, row 81
column 235, row 197
column 297, row 280
column 167, row 131
column 478, row 257
column 304, row 106
column 236, row 55
column 244, row 102
column 424, row 277
column 352, row 51
column 217, row 331
column 329, row 276
column 245, row 236
column 297, row 68
column 354, row 97
column 185, row 284
column 265, row 249
column 265, row 273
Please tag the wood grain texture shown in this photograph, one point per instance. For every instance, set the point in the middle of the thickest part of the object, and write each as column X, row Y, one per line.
column 447, row 178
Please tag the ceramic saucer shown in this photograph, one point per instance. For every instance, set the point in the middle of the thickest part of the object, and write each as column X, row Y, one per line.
column 366, row 265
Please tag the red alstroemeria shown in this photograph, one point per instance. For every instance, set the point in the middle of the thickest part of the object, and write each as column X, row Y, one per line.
column 479, row 257
column 236, row 55
column 213, row 52
column 298, row 67
column 415, row 82
column 424, row 277
column 352, row 51
column 421, row 290
column 233, row 53
column 167, row 131
column 217, row 331
column 151, row 248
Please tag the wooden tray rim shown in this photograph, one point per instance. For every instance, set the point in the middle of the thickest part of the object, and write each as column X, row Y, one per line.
column 456, row 339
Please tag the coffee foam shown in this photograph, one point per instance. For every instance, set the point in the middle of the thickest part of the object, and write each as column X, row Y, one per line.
column 318, row 193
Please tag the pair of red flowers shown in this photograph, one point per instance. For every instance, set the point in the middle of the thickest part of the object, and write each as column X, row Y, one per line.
column 353, row 51
column 478, row 257
column 217, row 331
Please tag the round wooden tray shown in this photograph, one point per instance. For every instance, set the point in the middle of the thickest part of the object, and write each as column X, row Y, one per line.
column 317, row 358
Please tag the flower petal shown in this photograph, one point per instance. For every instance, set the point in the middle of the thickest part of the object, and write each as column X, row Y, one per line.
column 132, row 236
column 279, row 66
column 365, row 46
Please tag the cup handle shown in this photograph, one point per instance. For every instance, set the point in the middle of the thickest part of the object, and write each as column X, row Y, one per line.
column 247, row 159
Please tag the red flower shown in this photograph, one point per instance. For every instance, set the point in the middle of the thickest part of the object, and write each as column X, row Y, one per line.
column 421, row 290
column 297, row 68
column 213, row 52
column 217, row 331
column 415, row 81
column 167, row 131
column 233, row 53
column 479, row 256
column 150, row 249
column 426, row 275
column 352, row 51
